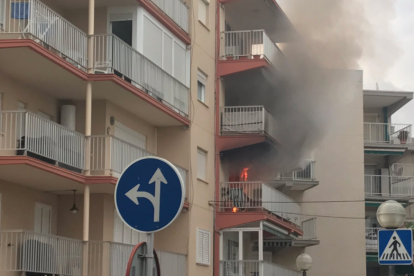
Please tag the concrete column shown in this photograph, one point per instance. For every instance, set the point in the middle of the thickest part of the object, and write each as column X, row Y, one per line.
column 86, row 207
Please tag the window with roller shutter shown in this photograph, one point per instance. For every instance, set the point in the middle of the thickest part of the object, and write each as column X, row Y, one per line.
column 203, row 247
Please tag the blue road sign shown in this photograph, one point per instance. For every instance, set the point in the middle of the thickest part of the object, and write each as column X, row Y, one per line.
column 395, row 247
column 149, row 194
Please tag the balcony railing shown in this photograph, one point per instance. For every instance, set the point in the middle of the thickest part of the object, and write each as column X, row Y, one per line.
column 371, row 237
column 176, row 10
column 257, row 195
column 27, row 133
column 307, row 174
column 387, row 133
column 247, row 119
column 26, row 251
column 250, row 44
column 309, row 229
column 33, row 19
column 400, row 169
column 255, row 268
column 112, row 55
column 389, row 186
column 111, row 259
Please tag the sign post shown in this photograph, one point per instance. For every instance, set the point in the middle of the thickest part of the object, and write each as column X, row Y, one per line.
column 149, row 196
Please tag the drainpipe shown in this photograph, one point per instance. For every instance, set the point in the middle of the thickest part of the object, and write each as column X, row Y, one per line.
column 385, row 114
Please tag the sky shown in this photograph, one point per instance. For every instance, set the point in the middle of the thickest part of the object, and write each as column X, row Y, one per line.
column 376, row 36
column 400, row 76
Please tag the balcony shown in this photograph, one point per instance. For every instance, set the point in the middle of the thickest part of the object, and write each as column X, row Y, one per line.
column 389, row 134
column 31, row 19
column 25, row 251
column 371, row 238
column 28, row 135
column 176, row 10
column 297, row 180
column 112, row 55
column 256, row 268
column 248, row 49
column 247, row 120
column 256, row 196
column 385, row 186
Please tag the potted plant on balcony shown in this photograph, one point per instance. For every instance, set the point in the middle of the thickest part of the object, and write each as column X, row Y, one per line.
column 403, row 136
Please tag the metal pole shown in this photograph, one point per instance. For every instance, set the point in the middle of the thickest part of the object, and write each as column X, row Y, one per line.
column 391, row 270
column 304, row 273
column 150, row 254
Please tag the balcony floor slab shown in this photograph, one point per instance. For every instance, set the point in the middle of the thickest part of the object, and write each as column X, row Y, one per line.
column 293, row 185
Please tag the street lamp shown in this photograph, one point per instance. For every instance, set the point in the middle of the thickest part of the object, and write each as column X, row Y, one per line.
column 391, row 214
column 304, row 262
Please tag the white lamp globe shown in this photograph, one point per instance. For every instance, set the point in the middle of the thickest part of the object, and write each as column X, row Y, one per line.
column 304, row 262
column 391, row 214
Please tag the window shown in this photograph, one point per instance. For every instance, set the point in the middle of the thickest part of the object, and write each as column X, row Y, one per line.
column 201, row 164
column 203, row 11
column 203, row 247
column 201, row 87
column 129, row 135
column 43, row 217
column 124, row 234
column 2, row 13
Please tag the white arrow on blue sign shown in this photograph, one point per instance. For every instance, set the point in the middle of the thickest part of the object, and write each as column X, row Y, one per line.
column 149, row 194
column 395, row 247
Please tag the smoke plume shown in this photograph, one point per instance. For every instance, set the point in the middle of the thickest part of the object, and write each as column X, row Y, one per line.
column 334, row 36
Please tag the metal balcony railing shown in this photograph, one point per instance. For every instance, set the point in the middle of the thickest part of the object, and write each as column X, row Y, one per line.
column 247, row 119
column 250, row 44
column 111, row 259
column 33, row 19
column 388, row 133
column 255, row 268
column 391, row 186
column 257, row 195
column 309, row 229
column 307, row 174
column 26, row 133
column 112, row 55
column 25, row 251
column 176, row 10
column 371, row 237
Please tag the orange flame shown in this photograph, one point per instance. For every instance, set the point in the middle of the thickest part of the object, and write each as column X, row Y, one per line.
column 244, row 174
column 235, row 209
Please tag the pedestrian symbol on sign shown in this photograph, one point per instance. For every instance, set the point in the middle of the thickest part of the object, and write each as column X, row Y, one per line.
column 395, row 250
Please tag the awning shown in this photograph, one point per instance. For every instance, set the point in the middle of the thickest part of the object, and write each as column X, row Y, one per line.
column 385, row 151
column 274, row 231
column 372, row 258
column 378, row 203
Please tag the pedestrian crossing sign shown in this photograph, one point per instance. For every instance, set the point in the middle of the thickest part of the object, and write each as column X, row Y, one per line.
column 395, row 247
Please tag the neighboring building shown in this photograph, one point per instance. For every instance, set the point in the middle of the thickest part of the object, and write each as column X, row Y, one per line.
column 261, row 225
column 86, row 88
column 389, row 168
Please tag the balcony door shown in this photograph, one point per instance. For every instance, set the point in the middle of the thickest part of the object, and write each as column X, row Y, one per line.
column 43, row 218
column 121, row 25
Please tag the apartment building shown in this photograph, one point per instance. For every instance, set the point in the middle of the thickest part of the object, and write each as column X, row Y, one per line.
column 389, row 167
column 86, row 88
column 264, row 224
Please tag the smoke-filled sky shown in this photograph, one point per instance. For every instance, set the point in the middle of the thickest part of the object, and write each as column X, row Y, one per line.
column 376, row 36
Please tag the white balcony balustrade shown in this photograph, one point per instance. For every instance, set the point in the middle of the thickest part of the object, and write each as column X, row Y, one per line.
column 24, row 133
column 247, row 119
column 111, row 259
column 371, row 238
column 256, row 268
column 256, row 196
column 250, row 44
column 307, row 174
column 389, row 186
column 309, row 229
column 25, row 251
column 176, row 10
column 112, row 55
column 388, row 133
column 31, row 19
